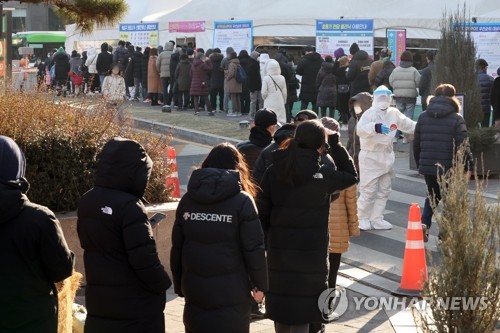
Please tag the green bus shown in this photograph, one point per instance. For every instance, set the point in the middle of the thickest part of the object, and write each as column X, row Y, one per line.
column 42, row 42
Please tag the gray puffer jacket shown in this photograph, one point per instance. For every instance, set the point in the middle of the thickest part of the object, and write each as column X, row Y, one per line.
column 163, row 61
column 404, row 80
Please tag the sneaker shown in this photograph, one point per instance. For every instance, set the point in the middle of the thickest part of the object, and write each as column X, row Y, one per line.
column 405, row 140
column 343, row 128
column 365, row 225
column 231, row 114
column 197, row 113
column 425, row 232
column 381, row 225
column 147, row 100
column 211, row 113
column 166, row 109
column 131, row 98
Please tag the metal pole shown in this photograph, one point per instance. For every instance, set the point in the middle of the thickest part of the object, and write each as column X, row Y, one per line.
column 8, row 45
column 1, row 21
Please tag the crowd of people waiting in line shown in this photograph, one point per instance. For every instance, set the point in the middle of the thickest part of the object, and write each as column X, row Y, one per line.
column 242, row 231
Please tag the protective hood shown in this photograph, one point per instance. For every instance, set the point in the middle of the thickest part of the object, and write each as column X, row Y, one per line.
column 208, row 185
column 382, row 97
column 273, row 67
column 169, row 46
column 264, row 57
column 124, row 165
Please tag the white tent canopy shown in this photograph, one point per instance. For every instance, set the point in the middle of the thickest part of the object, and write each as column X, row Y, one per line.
column 282, row 18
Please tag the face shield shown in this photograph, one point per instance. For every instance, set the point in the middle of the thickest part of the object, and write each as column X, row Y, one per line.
column 382, row 98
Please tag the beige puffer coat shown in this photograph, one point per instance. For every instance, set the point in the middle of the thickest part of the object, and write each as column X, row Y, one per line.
column 343, row 222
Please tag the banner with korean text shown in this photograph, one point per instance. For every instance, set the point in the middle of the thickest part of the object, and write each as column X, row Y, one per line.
column 333, row 34
column 140, row 34
column 487, row 39
column 236, row 34
column 396, row 42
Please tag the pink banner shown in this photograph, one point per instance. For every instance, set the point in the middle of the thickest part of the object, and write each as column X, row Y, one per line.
column 186, row 26
column 400, row 44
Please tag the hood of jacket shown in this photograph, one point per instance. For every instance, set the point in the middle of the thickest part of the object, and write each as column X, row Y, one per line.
column 327, row 67
column 273, row 67
column 235, row 61
column 360, row 55
column 216, row 57
column 306, row 163
column 260, row 136
column 313, row 57
column 442, row 106
column 12, row 182
column 284, row 132
column 405, row 64
column 280, row 57
column 209, row 185
column 104, row 47
column 124, row 165
column 365, row 100
column 169, row 46
column 196, row 62
column 91, row 52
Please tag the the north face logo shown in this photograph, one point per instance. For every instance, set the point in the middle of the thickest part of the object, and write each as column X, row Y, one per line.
column 107, row 210
column 186, row 216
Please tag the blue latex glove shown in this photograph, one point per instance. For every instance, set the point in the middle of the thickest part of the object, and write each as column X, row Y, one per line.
column 382, row 129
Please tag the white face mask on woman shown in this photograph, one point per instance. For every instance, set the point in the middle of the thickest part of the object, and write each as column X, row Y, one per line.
column 357, row 109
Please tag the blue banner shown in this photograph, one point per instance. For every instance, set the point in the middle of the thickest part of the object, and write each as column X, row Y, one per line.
column 137, row 27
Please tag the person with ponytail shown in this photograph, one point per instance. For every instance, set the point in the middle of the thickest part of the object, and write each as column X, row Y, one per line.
column 218, row 259
column 293, row 207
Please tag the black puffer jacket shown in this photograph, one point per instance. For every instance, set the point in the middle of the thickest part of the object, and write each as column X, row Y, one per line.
column 217, row 75
column 174, row 61
column 61, row 62
column 144, row 68
column 438, row 132
column 104, row 60
column 136, row 64
column 254, row 80
column 359, row 67
column 485, row 84
column 495, row 98
column 126, row 282
column 258, row 140
column 295, row 220
column 217, row 254
column 121, row 57
column 309, row 67
column 34, row 253
column 265, row 158
column 327, row 86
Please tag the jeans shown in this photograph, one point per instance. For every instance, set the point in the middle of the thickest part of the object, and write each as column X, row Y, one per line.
column 227, row 96
column 101, row 79
column 137, row 84
column 167, row 97
column 406, row 106
column 433, row 193
column 256, row 102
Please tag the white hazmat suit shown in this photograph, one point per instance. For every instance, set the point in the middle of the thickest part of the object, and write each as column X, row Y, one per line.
column 376, row 130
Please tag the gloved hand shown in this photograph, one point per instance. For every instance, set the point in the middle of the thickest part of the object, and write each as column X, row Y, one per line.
column 382, row 128
column 333, row 139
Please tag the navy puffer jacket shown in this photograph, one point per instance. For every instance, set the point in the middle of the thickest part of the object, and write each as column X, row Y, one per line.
column 439, row 130
column 485, row 84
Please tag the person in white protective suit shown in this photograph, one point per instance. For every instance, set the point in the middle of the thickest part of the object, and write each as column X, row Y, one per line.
column 376, row 129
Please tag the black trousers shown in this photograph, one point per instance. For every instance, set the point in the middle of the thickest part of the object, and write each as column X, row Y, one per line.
column 334, row 259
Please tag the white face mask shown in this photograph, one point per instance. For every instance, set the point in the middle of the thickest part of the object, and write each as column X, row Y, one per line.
column 383, row 105
column 358, row 109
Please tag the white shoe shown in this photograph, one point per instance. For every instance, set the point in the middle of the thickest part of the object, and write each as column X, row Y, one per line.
column 365, row 225
column 231, row 114
column 405, row 140
column 381, row 225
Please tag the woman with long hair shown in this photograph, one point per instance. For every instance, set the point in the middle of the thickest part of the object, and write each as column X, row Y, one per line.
column 217, row 259
column 294, row 207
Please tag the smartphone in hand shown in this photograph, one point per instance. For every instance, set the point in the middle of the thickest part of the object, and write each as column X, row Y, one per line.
column 156, row 218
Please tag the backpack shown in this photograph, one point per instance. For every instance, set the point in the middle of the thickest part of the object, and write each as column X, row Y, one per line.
column 241, row 75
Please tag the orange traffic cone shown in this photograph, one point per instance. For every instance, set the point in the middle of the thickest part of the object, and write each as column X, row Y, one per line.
column 414, row 263
column 173, row 179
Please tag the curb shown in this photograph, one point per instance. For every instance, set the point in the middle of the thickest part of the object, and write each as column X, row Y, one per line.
column 182, row 132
